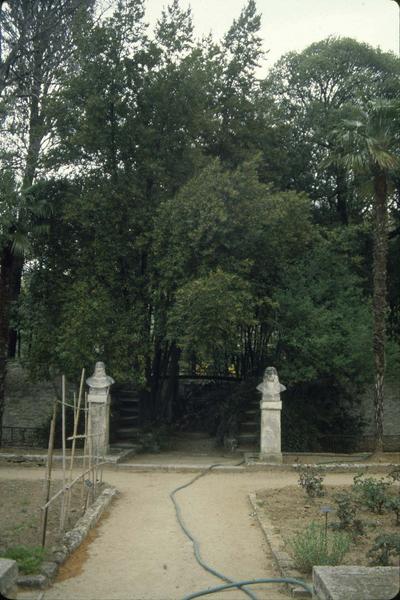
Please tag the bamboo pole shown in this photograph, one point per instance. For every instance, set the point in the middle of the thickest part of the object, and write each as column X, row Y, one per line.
column 67, row 486
column 90, row 454
column 85, row 448
column 48, row 471
column 74, row 438
column 62, row 515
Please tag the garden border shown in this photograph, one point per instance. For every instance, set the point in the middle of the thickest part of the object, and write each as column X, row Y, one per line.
column 284, row 562
column 71, row 541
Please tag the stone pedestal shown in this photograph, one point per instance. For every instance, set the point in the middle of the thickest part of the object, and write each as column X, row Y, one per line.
column 99, row 412
column 99, row 415
column 271, row 407
column 270, row 442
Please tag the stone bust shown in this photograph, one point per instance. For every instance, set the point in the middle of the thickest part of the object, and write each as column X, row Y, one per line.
column 99, row 381
column 270, row 386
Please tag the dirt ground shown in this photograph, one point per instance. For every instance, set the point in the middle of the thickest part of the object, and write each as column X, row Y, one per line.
column 138, row 550
column 291, row 511
column 20, row 514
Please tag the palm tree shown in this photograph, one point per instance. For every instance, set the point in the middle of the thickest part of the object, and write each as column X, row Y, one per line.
column 369, row 142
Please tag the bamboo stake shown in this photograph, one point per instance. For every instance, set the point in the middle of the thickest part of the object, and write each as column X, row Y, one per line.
column 67, row 486
column 90, row 455
column 62, row 516
column 48, row 471
column 74, row 437
column 84, row 446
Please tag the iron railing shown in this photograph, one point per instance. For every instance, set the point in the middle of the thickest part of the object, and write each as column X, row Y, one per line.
column 23, row 436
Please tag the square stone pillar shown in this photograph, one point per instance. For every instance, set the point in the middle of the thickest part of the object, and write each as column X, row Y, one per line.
column 270, row 442
column 99, row 415
column 99, row 412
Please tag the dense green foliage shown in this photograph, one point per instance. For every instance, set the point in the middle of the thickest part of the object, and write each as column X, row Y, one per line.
column 187, row 217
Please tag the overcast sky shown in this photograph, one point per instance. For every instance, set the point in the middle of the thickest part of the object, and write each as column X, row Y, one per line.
column 294, row 24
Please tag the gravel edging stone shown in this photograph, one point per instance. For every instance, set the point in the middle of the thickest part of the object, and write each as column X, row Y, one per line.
column 285, row 563
column 71, row 541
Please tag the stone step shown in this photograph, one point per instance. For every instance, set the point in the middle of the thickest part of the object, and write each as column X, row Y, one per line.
column 249, row 429
column 126, row 419
column 126, row 398
column 127, row 432
column 128, row 409
column 248, row 438
column 125, row 445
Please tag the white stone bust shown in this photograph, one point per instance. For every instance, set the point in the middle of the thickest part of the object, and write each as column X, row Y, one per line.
column 99, row 382
column 270, row 386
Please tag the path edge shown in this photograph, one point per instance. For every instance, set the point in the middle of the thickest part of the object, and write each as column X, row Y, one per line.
column 71, row 540
column 284, row 562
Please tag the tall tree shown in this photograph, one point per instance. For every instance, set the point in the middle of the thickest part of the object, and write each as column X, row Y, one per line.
column 370, row 143
column 36, row 41
column 302, row 97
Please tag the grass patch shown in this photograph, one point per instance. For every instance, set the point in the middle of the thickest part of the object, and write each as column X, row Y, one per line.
column 312, row 547
column 28, row 559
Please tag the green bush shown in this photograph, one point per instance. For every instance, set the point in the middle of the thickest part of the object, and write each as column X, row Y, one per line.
column 385, row 547
column 310, row 479
column 372, row 492
column 28, row 559
column 394, row 474
column 346, row 512
column 393, row 505
column 313, row 547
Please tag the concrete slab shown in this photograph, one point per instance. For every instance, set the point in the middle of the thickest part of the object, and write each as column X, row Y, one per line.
column 356, row 583
column 8, row 576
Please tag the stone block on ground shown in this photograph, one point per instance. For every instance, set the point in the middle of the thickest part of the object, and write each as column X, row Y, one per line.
column 8, row 575
column 356, row 583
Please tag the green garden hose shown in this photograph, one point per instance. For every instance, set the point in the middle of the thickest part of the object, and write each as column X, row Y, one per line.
column 196, row 548
column 227, row 586
column 196, row 545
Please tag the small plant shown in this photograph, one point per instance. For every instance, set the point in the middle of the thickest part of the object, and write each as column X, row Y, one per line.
column 393, row 505
column 313, row 547
column 385, row 547
column 28, row 559
column 372, row 492
column 346, row 511
column 394, row 474
column 311, row 481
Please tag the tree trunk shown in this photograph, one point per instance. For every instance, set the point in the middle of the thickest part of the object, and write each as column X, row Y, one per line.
column 341, row 195
column 379, row 300
column 5, row 282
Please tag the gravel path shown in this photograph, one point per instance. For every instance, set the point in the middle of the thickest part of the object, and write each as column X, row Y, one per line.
column 140, row 553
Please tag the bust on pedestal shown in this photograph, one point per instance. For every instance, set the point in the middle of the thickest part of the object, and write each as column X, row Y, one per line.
column 271, row 407
column 99, row 410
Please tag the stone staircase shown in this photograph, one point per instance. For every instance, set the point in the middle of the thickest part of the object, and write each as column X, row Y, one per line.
column 249, row 430
column 126, row 403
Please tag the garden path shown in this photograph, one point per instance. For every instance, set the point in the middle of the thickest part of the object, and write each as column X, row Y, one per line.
column 139, row 551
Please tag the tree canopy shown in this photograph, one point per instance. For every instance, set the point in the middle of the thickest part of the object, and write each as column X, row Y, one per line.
column 173, row 213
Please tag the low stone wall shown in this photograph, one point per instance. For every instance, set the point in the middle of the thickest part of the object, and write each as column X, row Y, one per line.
column 391, row 418
column 27, row 403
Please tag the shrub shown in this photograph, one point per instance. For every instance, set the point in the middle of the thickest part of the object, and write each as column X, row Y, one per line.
column 395, row 474
column 312, row 547
column 310, row 479
column 346, row 511
column 393, row 505
column 28, row 559
column 372, row 492
column 385, row 546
